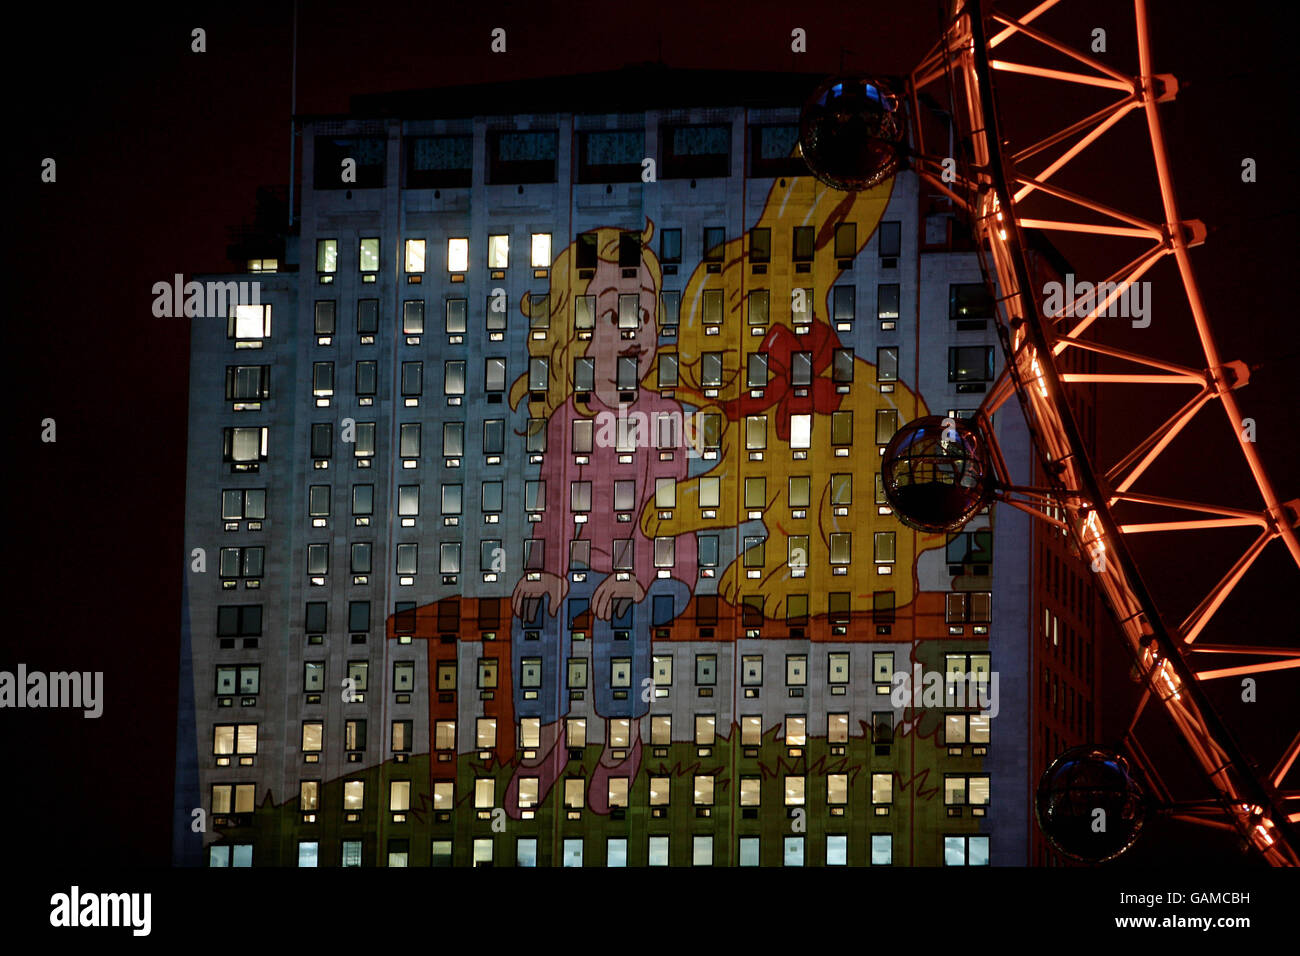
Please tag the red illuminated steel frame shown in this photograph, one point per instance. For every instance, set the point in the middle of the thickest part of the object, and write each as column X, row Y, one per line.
column 990, row 187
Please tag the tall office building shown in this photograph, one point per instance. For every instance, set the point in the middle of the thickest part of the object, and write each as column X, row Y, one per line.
column 541, row 504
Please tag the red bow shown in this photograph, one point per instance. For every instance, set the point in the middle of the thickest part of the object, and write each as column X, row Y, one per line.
column 821, row 397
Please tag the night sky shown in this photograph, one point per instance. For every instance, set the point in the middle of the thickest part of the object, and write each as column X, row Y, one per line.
column 160, row 150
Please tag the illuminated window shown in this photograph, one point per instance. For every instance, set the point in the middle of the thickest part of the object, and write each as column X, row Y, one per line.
column 965, row 851
column 457, row 255
column 498, row 252
column 882, row 788
column 796, row 730
column 703, row 790
column 541, row 250
column 756, row 432
column 751, row 731
column 415, row 255
column 794, row 790
column 368, row 256
column 882, row 849
column 327, row 255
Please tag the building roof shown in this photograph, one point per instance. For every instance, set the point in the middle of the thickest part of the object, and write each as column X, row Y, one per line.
column 632, row 89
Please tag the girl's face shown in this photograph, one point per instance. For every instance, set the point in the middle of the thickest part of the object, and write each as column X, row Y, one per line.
column 632, row 337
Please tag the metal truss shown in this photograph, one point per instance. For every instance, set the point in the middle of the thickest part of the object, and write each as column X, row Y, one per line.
column 1092, row 502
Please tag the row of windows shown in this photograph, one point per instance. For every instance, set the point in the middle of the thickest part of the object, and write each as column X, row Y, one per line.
column 712, row 249
column 958, row 850
column 959, row 790
column 248, row 325
column 244, row 448
column 522, row 157
column 252, row 383
column 960, row 728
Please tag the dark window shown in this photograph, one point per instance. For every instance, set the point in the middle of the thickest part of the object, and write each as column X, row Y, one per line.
column 587, row 251
column 367, row 151
column 891, row 237
column 358, row 616
column 367, row 316
column 715, row 241
column 760, row 245
column 522, row 157
column 773, row 151
column 691, row 152
column 846, row 240
column 325, row 310
column 803, row 243
column 610, row 156
column 629, row 250
column 316, row 617
column 670, row 245
column 969, row 301
column 439, row 161
column 972, row 363
column 322, row 440
column 242, row 620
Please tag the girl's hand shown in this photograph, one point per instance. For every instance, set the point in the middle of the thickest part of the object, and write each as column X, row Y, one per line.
column 612, row 589
column 551, row 585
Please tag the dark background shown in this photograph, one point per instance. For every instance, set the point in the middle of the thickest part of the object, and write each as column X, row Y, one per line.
column 160, row 150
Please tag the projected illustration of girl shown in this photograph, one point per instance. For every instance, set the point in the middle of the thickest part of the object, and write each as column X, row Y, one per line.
column 592, row 561
column 782, row 507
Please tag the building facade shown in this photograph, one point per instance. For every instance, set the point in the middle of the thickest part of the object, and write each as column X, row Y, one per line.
column 540, row 502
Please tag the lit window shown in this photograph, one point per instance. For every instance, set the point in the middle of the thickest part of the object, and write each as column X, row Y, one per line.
column 794, row 790
column 796, row 730
column 498, row 252
column 457, row 255
column 414, row 255
column 541, row 250
column 751, row 731
column 368, row 256
column 882, row 849
column 756, row 432
column 801, row 431
column 703, row 790
column 882, row 788
column 327, row 255
column 701, row 851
